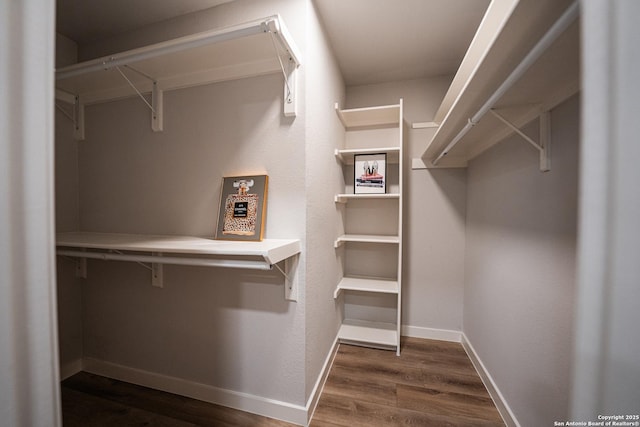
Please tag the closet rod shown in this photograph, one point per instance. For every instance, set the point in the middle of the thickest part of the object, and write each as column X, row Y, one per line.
column 155, row 259
column 171, row 46
column 549, row 37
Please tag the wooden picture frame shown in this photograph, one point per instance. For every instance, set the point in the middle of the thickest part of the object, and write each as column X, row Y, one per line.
column 243, row 208
column 370, row 173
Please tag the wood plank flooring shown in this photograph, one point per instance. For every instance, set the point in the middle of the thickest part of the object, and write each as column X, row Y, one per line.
column 432, row 383
column 93, row 401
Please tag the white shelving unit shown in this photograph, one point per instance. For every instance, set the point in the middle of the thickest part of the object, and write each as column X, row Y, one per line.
column 182, row 250
column 372, row 130
column 250, row 49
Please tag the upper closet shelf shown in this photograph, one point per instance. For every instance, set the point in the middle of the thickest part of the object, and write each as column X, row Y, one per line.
column 250, row 49
column 386, row 115
column 182, row 250
column 523, row 61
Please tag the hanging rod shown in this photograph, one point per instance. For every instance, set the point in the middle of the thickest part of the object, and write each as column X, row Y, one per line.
column 549, row 37
column 156, row 259
column 183, row 43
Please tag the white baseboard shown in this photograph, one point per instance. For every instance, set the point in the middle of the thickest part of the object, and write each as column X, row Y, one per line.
column 284, row 411
column 322, row 378
column 70, row 369
column 431, row 333
column 499, row 400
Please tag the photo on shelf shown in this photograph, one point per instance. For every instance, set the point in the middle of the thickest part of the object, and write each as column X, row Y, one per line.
column 369, row 171
column 243, row 207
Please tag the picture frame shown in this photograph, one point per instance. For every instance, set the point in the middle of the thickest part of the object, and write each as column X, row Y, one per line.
column 370, row 173
column 243, row 208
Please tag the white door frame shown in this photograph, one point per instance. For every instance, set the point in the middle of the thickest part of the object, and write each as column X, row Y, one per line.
column 606, row 375
column 29, row 379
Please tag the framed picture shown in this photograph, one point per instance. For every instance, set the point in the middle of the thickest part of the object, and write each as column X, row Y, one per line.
column 243, row 206
column 370, row 173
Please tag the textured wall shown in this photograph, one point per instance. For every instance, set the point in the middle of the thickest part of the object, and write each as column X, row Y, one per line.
column 324, row 132
column 520, row 268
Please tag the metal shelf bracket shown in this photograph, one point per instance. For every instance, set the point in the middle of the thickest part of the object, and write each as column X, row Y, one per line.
column 290, row 274
column 156, row 105
column 157, row 272
column 543, row 146
column 77, row 113
column 276, row 28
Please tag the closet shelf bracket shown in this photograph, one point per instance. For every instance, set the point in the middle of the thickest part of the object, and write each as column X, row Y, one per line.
column 290, row 274
column 77, row 115
column 279, row 36
column 157, row 272
column 543, row 146
column 156, row 105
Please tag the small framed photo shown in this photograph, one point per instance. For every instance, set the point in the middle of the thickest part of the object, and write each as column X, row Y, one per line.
column 370, row 173
column 243, row 207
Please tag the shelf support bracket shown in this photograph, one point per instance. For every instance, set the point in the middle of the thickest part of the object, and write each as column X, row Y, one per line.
column 157, row 108
column 156, row 105
column 157, row 272
column 290, row 75
column 81, row 268
column 78, row 119
column 290, row 91
column 544, row 146
column 77, row 114
column 290, row 274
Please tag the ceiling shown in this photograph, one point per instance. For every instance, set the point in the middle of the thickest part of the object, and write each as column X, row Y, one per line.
column 374, row 40
column 385, row 40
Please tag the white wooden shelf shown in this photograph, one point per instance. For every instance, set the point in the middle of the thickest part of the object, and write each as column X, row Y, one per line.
column 245, row 50
column 386, row 115
column 366, row 238
column 371, row 130
column 344, row 198
column 369, row 333
column 424, row 125
column 366, row 285
column 509, row 68
column 183, row 250
column 346, row 156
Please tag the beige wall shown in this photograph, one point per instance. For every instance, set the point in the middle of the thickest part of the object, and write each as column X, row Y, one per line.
column 324, row 86
column 520, row 268
column 226, row 328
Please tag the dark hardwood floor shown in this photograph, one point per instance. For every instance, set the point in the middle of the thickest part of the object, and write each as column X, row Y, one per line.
column 432, row 383
column 93, row 401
